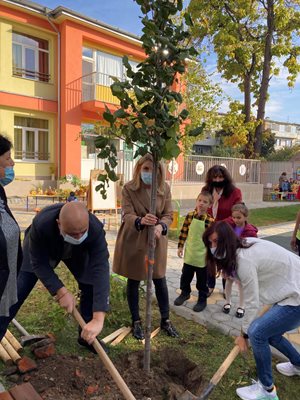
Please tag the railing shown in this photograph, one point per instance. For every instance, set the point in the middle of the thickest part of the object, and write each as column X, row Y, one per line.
column 96, row 86
column 31, row 155
column 30, row 74
column 195, row 168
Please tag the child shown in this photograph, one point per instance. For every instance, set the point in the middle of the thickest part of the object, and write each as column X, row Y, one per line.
column 295, row 241
column 191, row 233
column 238, row 221
column 72, row 197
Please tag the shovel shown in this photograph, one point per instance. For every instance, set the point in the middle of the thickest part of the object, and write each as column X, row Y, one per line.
column 187, row 395
column 27, row 339
column 106, row 361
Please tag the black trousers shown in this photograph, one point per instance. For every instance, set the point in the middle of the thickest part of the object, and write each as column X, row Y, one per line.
column 161, row 292
column 187, row 276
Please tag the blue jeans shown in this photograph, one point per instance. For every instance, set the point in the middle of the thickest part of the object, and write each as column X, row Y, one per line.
column 25, row 284
column 268, row 330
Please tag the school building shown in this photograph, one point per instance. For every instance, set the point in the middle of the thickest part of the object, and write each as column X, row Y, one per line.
column 56, row 69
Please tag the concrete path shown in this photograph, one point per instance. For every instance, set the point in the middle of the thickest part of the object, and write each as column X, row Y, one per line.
column 212, row 315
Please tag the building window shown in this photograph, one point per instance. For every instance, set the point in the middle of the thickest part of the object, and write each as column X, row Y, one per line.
column 30, row 57
column 31, row 139
column 278, row 142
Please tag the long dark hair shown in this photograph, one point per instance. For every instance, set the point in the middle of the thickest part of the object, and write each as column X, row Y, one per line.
column 228, row 243
column 214, row 172
column 5, row 145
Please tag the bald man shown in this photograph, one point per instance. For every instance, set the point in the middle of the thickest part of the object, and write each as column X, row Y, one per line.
column 68, row 233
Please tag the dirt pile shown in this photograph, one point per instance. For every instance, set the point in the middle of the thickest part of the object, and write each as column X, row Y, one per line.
column 79, row 378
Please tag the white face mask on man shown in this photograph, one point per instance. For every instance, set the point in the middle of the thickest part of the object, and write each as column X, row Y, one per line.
column 72, row 240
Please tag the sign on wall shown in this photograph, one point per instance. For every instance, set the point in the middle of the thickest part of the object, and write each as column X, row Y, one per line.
column 95, row 200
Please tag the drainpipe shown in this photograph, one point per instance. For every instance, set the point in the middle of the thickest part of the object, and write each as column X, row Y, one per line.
column 58, row 94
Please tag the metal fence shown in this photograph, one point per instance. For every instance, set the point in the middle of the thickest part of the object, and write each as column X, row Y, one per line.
column 195, row 168
column 271, row 171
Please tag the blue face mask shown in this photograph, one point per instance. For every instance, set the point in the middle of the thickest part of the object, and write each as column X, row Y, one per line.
column 75, row 242
column 8, row 177
column 146, row 177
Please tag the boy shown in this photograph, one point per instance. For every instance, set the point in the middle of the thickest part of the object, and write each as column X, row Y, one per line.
column 191, row 233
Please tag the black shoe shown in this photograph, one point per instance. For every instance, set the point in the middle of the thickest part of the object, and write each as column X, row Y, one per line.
column 169, row 328
column 181, row 299
column 200, row 305
column 138, row 332
column 84, row 343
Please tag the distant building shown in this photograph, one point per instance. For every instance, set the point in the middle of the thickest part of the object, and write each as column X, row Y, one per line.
column 205, row 146
column 286, row 134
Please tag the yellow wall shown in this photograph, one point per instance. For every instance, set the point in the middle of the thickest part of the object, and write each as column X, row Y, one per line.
column 27, row 87
column 22, row 168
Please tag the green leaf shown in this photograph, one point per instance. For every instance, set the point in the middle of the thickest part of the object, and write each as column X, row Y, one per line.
column 108, row 116
column 184, row 114
column 101, row 178
column 120, row 113
column 112, row 176
column 188, row 19
column 197, row 131
column 101, row 141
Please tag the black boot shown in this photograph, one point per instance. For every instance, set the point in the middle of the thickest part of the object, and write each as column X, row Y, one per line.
column 181, row 299
column 167, row 326
column 138, row 332
column 200, row 305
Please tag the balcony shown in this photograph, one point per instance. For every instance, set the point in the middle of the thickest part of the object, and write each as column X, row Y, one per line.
column 96, row 90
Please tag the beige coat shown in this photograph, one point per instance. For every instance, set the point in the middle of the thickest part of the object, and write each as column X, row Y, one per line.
column 131, row 245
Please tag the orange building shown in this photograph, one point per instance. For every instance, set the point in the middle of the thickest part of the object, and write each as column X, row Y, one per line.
column 56, row 69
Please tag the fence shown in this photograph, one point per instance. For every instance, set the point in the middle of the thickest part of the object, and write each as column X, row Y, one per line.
column 271, row 170
column 195, row 168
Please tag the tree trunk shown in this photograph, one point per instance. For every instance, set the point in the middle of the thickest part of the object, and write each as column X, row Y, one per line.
column 263, row 93
column 247, row 112
column 150, row 264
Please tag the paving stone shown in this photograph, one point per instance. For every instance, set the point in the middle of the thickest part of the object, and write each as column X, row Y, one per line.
column 5, row 396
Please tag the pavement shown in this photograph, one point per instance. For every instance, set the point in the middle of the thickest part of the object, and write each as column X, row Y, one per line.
column 212, row 316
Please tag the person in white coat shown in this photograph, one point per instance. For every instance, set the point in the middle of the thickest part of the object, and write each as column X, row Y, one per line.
column 269, row 275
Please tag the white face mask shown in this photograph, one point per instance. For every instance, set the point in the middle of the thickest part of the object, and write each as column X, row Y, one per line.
column 213, row 251
column 75, row 242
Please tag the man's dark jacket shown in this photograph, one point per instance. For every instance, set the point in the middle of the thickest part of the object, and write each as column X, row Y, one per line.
column 4, row 268
column 88, row 262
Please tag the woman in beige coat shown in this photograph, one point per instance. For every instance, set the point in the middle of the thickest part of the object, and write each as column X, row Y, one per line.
column 131, row 245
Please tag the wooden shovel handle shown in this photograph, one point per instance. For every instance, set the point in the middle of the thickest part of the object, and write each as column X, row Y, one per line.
column 225, row 365
column 106, row 361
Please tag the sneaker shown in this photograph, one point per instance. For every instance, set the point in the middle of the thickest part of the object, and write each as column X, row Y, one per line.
column 181, row 299
column 200, row 305
column 256, row 391
column 138, row 332
column 84, row 343
column 168, row 327
column 288, row 369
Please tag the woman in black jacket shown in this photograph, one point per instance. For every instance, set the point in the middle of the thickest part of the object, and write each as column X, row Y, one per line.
column 10, row 245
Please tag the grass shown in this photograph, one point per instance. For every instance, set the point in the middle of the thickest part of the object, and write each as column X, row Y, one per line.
column 206, row 347
column 259, row 217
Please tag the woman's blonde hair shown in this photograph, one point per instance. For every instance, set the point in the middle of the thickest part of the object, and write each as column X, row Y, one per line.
column 136, row 180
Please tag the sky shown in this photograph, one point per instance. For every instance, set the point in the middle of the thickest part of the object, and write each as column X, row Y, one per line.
column 284, row 103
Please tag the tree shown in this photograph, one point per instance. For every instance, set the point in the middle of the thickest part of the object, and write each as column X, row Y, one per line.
column 148, row 101
column 251, row 39
column 202, row 99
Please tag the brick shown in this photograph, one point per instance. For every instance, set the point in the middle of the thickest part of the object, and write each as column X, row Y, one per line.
column 5, row 396
column 44, row 352
column 91, row 389
column 25, row 392
column 26, row 364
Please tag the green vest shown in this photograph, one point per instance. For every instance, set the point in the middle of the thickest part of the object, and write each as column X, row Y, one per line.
column 195, row 250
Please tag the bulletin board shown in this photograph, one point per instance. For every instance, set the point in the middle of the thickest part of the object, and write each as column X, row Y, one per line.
column 95, row 201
